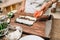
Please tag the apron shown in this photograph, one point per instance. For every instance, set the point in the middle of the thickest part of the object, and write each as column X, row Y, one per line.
column 32, row 5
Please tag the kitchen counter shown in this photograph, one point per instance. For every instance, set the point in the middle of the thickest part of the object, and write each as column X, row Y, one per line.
column 56, row 15
column 55, row 34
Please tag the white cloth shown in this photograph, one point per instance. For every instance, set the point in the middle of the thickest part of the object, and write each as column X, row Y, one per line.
column 31, row 5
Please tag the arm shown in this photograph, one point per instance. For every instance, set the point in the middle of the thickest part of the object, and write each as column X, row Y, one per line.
column 43, row 9
column 23, row 3
column 46, row 5
column 22, row 7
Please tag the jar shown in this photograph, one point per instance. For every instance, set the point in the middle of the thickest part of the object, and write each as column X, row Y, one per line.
column 53, row 10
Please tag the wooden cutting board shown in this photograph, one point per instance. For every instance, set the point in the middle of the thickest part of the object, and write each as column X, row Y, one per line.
column 38, row 28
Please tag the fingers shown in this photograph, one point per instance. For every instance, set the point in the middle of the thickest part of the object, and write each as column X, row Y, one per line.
column 38, row 14
column 35, row 13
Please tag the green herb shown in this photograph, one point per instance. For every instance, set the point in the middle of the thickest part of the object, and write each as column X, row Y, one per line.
column 3, row 25
column 10, row 14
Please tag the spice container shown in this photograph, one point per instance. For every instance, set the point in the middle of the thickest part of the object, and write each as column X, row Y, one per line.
column 53, row 10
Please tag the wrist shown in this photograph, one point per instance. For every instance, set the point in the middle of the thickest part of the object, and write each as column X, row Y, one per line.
column 54, row 1
column 50, row 3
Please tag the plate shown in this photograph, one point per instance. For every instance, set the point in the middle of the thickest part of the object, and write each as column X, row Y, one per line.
column 31, row 37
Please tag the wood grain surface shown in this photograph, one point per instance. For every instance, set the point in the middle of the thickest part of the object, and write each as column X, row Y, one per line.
column 38, row 28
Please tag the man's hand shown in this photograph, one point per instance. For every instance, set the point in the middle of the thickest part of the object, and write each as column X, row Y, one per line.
column 21, row 9
column 39, row 13
column 44, row 7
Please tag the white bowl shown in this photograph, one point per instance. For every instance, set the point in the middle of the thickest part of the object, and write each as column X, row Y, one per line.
column 14, row 33
column 31, row 37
